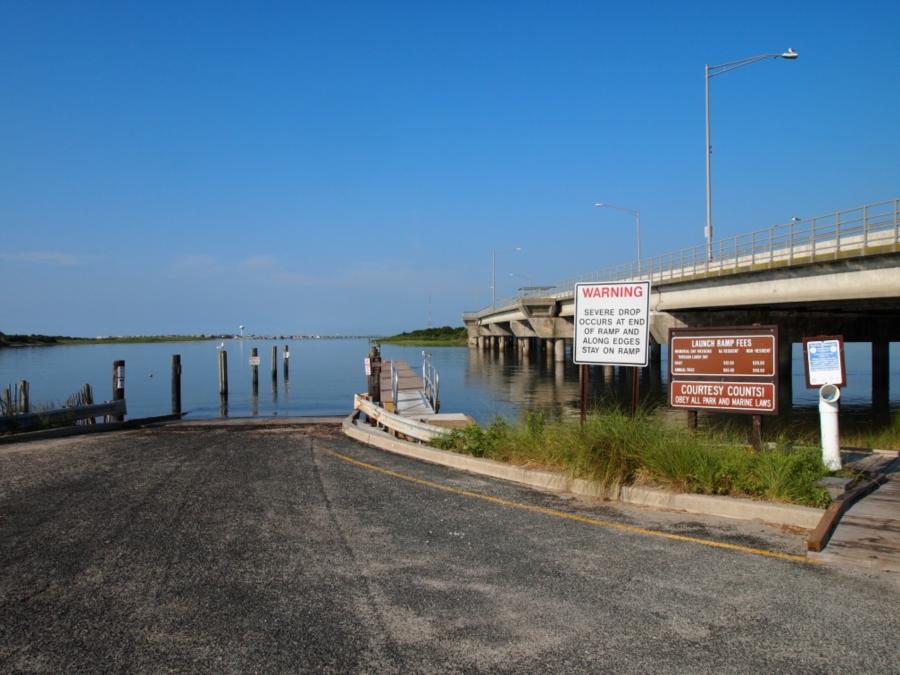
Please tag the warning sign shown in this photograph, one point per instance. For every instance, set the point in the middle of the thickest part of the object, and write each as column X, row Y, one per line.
column 612, row 323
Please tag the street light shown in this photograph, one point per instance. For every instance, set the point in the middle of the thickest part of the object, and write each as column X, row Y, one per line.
column 711, row 72
column 494, row 274
column 637, row 222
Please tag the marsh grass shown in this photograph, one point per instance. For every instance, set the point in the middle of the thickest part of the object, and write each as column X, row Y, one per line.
column 614, row 449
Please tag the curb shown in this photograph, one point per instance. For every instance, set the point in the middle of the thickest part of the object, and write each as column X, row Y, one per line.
column 738, row 508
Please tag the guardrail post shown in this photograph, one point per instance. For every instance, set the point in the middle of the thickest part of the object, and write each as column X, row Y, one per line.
column 896, row 223
column 812, row 242
column 865, row 228
column 752, row 250
column 791, row 244
column 837, row 234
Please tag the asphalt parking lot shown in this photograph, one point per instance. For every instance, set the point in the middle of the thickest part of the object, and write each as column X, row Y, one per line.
column 297, row 549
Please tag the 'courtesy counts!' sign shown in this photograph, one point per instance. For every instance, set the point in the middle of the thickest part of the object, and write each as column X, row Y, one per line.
column 612, row 323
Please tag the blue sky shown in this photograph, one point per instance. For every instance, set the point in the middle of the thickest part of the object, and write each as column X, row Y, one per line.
column 347, row 167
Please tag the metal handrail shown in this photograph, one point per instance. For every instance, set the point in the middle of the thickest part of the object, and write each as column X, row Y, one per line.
column 865, row 230
column 430, row 381
column 395, row 384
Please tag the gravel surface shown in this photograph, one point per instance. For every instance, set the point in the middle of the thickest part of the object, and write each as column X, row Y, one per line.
column 209, row 548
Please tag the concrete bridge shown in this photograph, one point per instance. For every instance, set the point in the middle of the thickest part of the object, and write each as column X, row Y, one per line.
column 833, row 274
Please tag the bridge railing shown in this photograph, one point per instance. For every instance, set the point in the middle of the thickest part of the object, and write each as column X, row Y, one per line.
column 864, row 230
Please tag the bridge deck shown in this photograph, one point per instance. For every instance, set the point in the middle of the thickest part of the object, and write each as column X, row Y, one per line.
column 411, row 400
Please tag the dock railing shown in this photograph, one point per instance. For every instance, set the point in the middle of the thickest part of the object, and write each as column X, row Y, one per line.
column 865, row 230
column 431, row 381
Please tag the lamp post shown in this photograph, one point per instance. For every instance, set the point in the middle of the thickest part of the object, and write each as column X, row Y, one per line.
column 494, row 274
column 711, row 72
column 637, row 223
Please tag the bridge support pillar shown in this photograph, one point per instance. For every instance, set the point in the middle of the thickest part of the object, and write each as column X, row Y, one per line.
column 559, row 350
column 526, row 347
column 881, row 357
column 785, row 372
column 502, row 345
column 655, row 365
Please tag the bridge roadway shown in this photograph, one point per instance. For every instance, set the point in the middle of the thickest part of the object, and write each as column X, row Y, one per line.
column 280, row 547
column 837, row 275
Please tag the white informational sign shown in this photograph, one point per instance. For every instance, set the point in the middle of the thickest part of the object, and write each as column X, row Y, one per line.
column 367, row 364
column 254, row 360
column 823, row 359
column 612, row 323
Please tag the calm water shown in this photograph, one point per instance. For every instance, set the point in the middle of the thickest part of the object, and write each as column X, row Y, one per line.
column 324, row 374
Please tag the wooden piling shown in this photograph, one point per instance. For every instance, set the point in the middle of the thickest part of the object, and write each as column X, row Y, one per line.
column 274, row 363
column 287, row 356
column 176, row 384
column 24, row 397
column 756, row 433
column 118, row 385
column 87, row 398
column 223, row 375
column 692, row 420
column 254, row 370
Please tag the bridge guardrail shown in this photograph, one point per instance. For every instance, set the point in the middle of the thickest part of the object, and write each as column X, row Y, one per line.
column 864, row 230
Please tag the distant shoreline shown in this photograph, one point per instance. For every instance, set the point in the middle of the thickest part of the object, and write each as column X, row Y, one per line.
column 446, row 336
column 17, row 341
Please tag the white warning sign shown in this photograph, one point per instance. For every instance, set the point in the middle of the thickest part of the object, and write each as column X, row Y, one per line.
column 612, row 323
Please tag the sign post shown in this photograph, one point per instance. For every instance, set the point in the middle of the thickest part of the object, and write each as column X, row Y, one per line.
column 823, row 358
column 725, row 369
column 612, row 328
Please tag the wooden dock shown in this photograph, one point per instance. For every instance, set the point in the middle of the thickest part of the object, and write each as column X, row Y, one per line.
column 868, row 535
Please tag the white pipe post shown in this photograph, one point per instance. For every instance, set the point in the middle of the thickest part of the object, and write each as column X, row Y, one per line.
column 829, row 406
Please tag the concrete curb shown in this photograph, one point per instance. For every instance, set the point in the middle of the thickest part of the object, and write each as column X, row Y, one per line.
column 727, row 507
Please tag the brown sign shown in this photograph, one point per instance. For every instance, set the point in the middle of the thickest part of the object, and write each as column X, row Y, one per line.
column 732, row 369
column 746, row 397
column 716, row 354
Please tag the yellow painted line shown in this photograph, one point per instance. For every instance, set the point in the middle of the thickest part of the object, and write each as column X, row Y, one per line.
column 597, row 522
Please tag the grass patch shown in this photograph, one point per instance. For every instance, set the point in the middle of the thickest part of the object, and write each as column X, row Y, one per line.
column 445, row 336
column 614, row 449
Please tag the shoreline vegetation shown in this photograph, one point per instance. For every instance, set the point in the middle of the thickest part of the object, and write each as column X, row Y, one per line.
column 22, row 340
column 445, row 336
column 615, row 450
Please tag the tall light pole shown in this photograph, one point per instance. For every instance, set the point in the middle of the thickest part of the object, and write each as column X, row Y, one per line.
column 637, row 223
column 494, row 274
column 711, row 72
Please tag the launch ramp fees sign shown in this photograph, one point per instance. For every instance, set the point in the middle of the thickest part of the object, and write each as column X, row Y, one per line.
column 612, row 323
